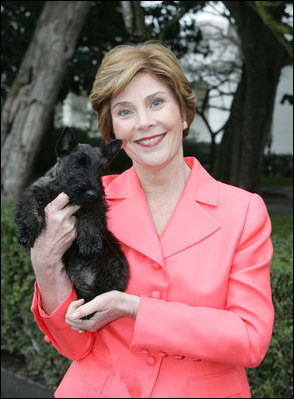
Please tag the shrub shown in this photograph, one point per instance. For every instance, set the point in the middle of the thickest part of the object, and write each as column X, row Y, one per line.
column 20, row 334
column 274, row 377
column 278, row 165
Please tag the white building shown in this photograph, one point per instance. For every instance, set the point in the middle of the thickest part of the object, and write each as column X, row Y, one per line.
column 282, row 127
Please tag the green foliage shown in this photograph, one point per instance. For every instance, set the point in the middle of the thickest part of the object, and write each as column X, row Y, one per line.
column 278, row 165
column 270, row 12
column 20, row 334
column 18, row 21
column 104, row 29
column 274, row 377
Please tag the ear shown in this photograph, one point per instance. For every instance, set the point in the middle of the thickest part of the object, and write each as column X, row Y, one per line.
column 66, row 142
column 110, row 150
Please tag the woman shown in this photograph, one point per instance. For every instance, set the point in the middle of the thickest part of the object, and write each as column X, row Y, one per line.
column 197, row 309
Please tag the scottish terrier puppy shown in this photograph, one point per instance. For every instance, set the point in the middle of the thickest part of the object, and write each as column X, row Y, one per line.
column 94, row 262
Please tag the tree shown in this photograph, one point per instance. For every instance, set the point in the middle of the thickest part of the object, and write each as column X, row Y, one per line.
column 160, row 20
column 18, row 22
column 248, row 128
column 32, row 97
column 95, row 39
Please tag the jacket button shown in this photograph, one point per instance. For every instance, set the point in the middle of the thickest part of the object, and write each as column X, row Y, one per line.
column 47, row 339
column 156, row 294
column 151, row 360
column 179, row 357
column 162, row 354
column 155, row 265
column 145, row 351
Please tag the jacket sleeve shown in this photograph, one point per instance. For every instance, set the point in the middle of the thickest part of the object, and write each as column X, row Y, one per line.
column 68, row 342
column 240, row 333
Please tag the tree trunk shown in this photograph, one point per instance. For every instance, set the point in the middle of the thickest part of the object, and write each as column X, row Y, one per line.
column 134, row 20
column 33, row 95
column 241, row 151
column 128, row 17
column 227, row 161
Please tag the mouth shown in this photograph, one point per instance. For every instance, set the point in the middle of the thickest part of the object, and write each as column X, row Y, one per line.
column 151, row 141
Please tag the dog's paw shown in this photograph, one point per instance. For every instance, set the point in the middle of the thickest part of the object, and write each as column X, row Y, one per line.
column 26, row 236
column 26, row 241
column 28, row 228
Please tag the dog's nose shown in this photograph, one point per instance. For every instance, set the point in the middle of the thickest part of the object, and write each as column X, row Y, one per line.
column 91, row 194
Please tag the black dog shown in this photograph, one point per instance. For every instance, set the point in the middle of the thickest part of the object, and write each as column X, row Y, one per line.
column 94, row 262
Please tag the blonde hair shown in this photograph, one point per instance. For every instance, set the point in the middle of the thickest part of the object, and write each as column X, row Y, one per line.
column 122, row 63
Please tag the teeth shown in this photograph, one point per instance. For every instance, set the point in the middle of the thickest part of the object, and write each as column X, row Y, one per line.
column 147, row 141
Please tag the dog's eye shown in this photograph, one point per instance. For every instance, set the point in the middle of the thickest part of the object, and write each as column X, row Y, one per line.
column 77, row 165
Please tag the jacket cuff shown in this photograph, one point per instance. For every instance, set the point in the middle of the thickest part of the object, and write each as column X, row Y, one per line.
column 57, row 317
column 54, row 322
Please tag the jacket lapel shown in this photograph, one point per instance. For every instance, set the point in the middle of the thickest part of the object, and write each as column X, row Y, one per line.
column 191, row 221
column 130, row 220
column 129, row 217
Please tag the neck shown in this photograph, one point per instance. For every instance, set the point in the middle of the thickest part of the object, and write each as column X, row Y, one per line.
column 160, row 181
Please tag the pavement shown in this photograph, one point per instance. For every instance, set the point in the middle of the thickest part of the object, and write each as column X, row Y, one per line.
column 279, row 201
column 15, row 380
column 16, row 386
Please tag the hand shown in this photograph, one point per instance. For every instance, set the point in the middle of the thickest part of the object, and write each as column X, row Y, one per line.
column 59, row 234
column 106, row 308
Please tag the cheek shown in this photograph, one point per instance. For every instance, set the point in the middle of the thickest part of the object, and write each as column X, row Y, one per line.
column 171, row 116
column 122, row 130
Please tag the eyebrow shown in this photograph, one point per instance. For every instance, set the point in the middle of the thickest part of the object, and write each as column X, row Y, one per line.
column 147, row 98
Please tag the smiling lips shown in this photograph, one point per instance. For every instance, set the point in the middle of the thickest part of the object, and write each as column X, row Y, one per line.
column 151, row 141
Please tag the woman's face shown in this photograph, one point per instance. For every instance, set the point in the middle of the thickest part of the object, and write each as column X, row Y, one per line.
column 147, row 118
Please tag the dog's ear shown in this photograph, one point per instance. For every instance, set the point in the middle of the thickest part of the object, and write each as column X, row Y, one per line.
column 110, row 150
column 66, row 142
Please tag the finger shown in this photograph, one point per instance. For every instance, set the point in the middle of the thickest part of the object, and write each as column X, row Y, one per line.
column 69, row 210
column 75, row 328
column 90, row 307
column 74, row 325
column 83, row 311
column 59, row 202
column 73, row 306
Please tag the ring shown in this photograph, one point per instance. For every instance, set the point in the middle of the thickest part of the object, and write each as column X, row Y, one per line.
column 80, row 331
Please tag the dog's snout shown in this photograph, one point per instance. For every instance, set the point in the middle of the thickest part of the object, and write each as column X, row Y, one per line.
column 91, row 194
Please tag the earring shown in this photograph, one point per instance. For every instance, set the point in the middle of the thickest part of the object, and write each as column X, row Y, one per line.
column 185, row 125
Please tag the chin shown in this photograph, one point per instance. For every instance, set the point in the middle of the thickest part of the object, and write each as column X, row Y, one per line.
column 156, row 162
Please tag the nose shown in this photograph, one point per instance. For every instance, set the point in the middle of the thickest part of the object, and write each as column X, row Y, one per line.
column 91, row 194
column 144, row 120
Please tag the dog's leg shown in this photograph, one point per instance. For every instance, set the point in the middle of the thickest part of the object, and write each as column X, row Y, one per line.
column 29, row 220
column 30, row 215
column 89, row 232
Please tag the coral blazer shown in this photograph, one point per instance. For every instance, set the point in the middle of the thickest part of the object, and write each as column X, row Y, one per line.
column 205, row 312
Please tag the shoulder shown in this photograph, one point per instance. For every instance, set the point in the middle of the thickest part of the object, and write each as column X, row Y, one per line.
column 236, row 195
column 229, row 192
column 237, row 205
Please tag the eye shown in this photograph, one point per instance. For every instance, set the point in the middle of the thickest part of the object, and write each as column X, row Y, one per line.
column 124, row 112
column 78, row 163
column 157, row 102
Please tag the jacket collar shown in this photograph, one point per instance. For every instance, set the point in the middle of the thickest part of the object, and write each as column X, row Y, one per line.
column 130, row 220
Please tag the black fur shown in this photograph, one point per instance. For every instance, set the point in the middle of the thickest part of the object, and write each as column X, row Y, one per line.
column 94, row 262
